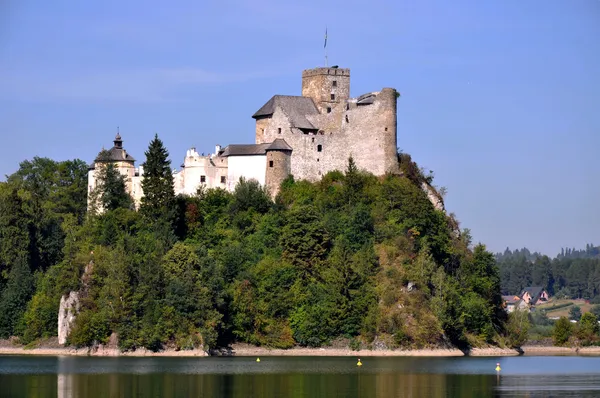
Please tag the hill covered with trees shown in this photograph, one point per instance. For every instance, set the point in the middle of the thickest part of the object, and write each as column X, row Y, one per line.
column 571, row 274
column 353, row 256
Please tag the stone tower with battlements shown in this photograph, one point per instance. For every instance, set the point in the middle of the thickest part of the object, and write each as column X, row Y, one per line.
column 325, row 126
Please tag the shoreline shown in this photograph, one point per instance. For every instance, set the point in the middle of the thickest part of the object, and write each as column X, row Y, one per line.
column 244, row 350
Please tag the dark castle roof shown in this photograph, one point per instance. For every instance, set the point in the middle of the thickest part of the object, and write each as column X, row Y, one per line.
column 295, row 107
column 256, row 149
column 114, row 154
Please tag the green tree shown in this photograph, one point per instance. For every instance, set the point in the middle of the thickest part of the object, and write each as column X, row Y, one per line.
column 562, row 331
column 14, row 298
column 588, row 328
column 575, row 313
column 158, row 201
column 111, row 189
column 517, row 328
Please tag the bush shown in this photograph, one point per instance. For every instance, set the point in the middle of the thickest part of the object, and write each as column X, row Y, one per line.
column 575, row 313
column 517, row 328
column 562, row 331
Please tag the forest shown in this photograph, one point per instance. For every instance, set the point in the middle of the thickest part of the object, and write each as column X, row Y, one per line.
column 353, row 257
column 573, row 274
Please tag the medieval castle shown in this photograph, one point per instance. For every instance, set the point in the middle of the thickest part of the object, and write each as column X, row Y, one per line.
column 306, row 136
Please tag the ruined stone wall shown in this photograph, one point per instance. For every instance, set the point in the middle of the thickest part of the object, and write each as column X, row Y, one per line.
column 278, row 169
column 321, row 84
column 370, row 133
column 365, row 132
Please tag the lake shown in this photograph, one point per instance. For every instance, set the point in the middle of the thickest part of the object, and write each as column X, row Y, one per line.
column 527, row 376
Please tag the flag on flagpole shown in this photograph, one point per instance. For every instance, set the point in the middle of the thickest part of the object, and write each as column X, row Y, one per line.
column 325, row 38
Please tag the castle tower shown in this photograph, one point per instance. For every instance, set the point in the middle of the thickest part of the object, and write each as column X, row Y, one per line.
column 328, row 87
column 279, row 155
column 125, row 164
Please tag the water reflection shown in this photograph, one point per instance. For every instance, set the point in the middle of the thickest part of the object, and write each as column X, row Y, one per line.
column 298, row 377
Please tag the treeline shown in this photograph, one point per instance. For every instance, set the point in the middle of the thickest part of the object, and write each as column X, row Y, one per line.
column 571, row 274
column 352, row 256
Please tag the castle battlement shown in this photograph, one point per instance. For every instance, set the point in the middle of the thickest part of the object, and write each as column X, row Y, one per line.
column 326, row 71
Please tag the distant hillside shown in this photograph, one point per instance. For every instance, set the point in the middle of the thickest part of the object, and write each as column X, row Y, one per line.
column 571, row 274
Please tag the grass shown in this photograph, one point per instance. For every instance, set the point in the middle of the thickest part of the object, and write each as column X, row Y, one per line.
column 558, row 308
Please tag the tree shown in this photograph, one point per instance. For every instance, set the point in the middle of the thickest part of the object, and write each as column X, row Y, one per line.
column 575, row 313
column 517, row 328
column 158, row 201
column 14, row 298
column 561, row 331
column 588, row 328
column 111, row 190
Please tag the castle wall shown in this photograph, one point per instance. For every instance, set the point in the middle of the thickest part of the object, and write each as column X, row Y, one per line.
column 197, row 168
column 132, row 182
column 367, row 132
column 267, row 129
column 278, row 169
column 321, row 83
column 370, row 133
column 249, row 167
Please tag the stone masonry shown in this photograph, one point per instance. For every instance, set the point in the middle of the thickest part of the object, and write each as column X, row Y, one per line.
column 305, row 135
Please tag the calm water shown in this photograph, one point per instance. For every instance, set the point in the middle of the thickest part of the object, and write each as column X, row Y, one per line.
column 546, row 376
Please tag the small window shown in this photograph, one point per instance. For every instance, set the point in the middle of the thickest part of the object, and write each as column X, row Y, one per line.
column 270, row 163
column 202, row 178
column 328, row 110
column 223, row 179
column 313, row 139
column 334, row 83
column 332, row 96
column 319, row 148
column 279, row 130
column 386, row 129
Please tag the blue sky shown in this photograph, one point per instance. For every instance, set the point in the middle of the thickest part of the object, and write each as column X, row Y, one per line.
column 500, row 98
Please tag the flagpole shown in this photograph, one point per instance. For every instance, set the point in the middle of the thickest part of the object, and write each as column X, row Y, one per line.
column 326, row 64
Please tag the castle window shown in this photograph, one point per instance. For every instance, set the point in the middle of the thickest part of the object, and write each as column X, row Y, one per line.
column 223, row 179
column 334, row 83
column 279, row 130
column 202, row 178
column 270, row 163
column 332, row 96
column 328, row 110
column 313, row 139
column 319, row 148
column 386, row 129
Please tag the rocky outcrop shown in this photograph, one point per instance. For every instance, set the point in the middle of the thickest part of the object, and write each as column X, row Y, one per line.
column 69, row 307
column 434, row 197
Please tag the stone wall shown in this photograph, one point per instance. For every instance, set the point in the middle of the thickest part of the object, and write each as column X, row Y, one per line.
column 278, row 169
column 321, row 84
column 365, row 132
column 212, row 169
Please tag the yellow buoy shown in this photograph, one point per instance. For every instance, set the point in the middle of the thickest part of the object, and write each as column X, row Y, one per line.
column 359, row 362
column 498, row 367
column 257, row 359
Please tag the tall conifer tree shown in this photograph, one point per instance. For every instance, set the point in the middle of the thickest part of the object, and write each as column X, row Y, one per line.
column 111, row 192
column 159, row 194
